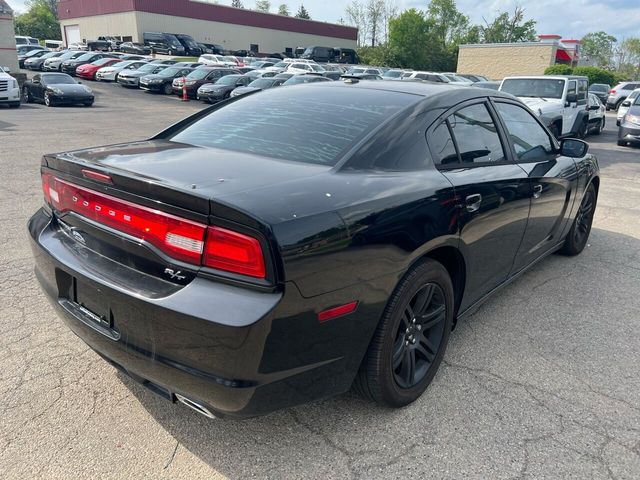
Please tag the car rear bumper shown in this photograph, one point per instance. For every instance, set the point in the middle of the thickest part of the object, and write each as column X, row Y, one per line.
column 236, row 351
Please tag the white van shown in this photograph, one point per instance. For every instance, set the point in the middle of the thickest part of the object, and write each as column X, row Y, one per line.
column 21, row 40
column 56, row 45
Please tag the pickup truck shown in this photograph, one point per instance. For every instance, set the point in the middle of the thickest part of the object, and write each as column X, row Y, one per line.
column 560, row 101
column 104, row 43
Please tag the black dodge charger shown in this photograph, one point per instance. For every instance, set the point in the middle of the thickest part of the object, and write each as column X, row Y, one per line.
column 286, row 246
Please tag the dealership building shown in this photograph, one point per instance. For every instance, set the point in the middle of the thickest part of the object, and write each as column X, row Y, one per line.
column 233, row 28
column 499, row 60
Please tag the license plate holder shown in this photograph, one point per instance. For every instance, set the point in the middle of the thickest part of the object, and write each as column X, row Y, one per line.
column 92, row 302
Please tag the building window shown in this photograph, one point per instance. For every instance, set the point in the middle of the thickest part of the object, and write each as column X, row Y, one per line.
column 288, row 50
column 254, row 47
column 127, row 38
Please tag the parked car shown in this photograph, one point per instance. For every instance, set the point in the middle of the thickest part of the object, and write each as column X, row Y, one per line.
column 601, row 90
column 360, row 76
column 222, row 88
column 191, row 47
column 255, row 74
column 113, row 43
column 233, row 60
column 56, row 89
column 163, row 43
column 619, row 93
column 215, row 60
column 597, row 117
column 161, row 61
column 89, row 70
column 23, row 40
column 30, row 54
column 214, row 48
column 304, row 68
column 54, row 64
column 70, row 66
column 9, row 89
column 346, row 55
column 162, row 81
column 257, row 85
column 110, row 73
column 560, row 101
column 199, row 77
column 367, row 70
column 260, row 64
column 188, row 64
column 129, row 56
column 629, row 130
column 131, row 78
column 624, row 106
column 489, row 85
column 22, row 49
column 473, row 78
column 56, row 45
column 307, row 240
column 332, row 75
column 37, row 62
column 392, row 74
column 136, row 48
column 454, row 78
column 78, row 46
column 306, row 78
column 426, row 76
column 100, row 44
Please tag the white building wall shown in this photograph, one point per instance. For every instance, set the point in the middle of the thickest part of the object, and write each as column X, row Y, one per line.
column 8, row 55
column 230, row 36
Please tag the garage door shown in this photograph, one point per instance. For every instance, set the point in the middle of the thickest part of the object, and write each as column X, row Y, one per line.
column 72, row 34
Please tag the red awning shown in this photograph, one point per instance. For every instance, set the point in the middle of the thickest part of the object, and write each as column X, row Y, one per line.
column 563, row 56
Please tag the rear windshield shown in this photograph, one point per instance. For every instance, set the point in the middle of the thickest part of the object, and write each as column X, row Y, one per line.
column 533, row 87
column 309, row 125
column 599, row 87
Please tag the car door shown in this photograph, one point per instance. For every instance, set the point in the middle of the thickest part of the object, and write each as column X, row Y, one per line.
column 570, row 110
column 553, row 180
column 491, row 191
column 37, row 89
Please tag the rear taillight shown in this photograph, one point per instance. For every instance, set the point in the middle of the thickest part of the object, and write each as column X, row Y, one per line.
column 612, row 91
column 177, row 237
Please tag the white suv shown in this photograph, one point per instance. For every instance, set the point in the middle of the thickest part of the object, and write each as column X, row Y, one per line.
column 9, row 90
column 560, row 101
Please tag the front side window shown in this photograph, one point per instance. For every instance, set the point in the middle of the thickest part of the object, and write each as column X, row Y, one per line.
column 582, row 90
column 571, row 89
column 476, row 135
column 530, row 141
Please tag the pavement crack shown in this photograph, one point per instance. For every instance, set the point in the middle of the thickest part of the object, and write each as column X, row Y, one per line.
column 173, row 455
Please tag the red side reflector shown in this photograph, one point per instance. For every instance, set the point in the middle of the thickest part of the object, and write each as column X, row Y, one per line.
column 338, row 311
column 97, row 176
column 233, row 252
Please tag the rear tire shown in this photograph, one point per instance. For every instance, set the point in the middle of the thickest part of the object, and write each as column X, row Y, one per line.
column 26, row 95
column 581, row 228
column 411, row 338
column 598, row 130
column 47, row 100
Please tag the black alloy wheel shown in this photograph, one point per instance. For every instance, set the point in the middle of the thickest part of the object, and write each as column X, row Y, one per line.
column 583, row 130
column 26, row 95
column 410, row 339
column 579, row 234
column 419, row 333
column 47, row 100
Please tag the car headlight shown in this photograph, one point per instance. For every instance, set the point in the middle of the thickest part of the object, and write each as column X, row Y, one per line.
column 86, row 89
column 14, row 83
column 190, row 82
column 55, row 90
column 632, row 119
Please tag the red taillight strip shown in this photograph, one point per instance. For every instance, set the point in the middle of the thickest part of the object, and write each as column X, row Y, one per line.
column 179, row 238
column 338, row 311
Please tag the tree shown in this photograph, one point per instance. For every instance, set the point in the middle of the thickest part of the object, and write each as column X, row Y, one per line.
column 371, row 18
column 410, row 39
column 375, row 12
column 450, row 24
column 628, row 57
column 356, row 14
column 283, row 9
column 509, row 29
column 38, row 21
column 302, row 13
column 237, row 3
column 599, row 48
column 263, row 6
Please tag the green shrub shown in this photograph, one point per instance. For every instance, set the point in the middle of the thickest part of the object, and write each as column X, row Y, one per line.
column 559, row 70
column 596, row 75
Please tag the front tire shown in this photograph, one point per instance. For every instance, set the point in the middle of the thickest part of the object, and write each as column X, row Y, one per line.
column 168, row 89
column 581, row 228
column 26, row 95
column 47, row 100
column 411, row 338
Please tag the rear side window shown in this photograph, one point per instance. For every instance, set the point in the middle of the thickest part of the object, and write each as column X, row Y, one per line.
column 442, row 147
column 476, row 135
column 308, row 125
column 582, row 90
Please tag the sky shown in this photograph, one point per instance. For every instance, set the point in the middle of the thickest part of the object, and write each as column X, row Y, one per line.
column 569, row 18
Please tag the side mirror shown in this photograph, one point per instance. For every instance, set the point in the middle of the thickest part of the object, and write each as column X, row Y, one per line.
column 572, row 98
column 573, row 148
column 626, row 103
column 594, row 107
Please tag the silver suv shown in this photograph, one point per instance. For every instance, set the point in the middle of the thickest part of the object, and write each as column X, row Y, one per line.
column 619, row 93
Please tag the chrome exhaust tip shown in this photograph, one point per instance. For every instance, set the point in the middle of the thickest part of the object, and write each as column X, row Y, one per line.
column 193, row 405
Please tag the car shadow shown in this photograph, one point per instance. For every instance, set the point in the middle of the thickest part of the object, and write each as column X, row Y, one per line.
column 346, row 429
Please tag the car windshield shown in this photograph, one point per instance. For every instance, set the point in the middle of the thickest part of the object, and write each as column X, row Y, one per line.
column 150, row 67
column 392, row 74
column 637, row 102
column 102, row 61
column 121, row 64
column 189, row 41
column 308, row 125
column 599, row 87
column 170, row 71
column 261, row 83
column 228, row 80
column 198, row 74
column 173, row 41
column 533, row 87
column 86, row 56
column 281, row 64
column 57, row 79
column 316, row 68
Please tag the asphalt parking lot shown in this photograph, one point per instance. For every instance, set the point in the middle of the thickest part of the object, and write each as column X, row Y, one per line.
column 542, row 382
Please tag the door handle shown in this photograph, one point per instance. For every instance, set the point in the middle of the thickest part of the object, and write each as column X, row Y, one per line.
column 537, row 191
column 472, row 202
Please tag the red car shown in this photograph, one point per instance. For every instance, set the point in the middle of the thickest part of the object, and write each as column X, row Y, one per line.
column 89, row 70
